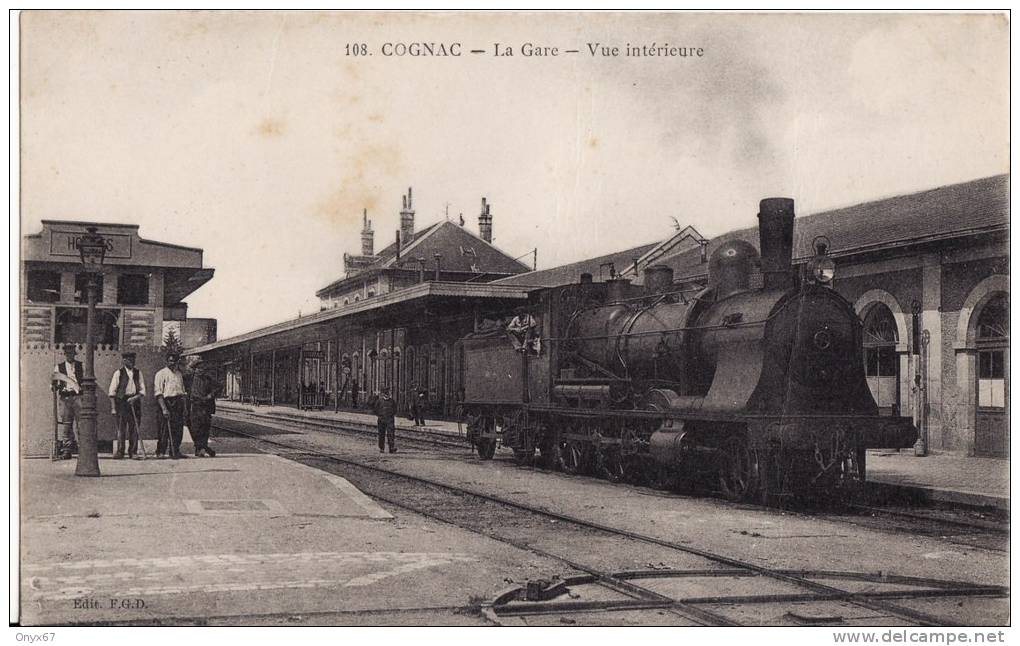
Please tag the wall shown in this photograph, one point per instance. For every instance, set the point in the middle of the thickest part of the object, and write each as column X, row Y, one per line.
column 904, row 285
column 37, row 420
column 942, row 285
column 966, row 287
column 138, row 324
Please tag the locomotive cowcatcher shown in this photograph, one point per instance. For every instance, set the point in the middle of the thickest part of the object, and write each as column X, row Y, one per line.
column 756, row 391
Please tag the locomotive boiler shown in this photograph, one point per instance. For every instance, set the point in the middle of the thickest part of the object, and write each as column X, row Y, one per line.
column 753, row 386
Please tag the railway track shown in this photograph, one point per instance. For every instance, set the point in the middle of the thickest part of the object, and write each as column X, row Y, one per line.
column 527, row 528
column 424, row 438
column 961, row 527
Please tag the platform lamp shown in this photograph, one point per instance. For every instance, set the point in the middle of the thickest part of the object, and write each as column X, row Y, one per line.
column 92, row 248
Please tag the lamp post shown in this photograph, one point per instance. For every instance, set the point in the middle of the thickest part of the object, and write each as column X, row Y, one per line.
column 92, row 248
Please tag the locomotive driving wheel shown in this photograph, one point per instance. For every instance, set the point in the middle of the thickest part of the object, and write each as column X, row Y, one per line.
column 477, row 428
column 739, row 470
column 612, row 464
column 572, row 459
column 549, row 453
column 486, row 448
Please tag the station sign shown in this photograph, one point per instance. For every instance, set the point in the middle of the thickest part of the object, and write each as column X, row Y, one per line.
column 65, row 243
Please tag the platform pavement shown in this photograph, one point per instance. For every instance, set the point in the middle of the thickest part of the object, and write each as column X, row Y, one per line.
column 943, row 477
column 237, row 535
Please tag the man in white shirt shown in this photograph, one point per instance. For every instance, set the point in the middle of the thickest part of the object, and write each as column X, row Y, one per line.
column 67, row 378
column 171, row 396
column 127, row 388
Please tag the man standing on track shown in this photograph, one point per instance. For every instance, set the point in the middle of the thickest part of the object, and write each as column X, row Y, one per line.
column 172, row 399
column 421, row 401
column 386, row 411
column 127, row 388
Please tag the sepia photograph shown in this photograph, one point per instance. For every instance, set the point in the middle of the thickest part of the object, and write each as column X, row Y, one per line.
column 511, row 318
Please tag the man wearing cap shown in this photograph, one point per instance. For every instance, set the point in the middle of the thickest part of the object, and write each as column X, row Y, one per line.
column 171, row 396
column 67, row 378
column 386, row 411
column 127, row 388
column 202, row 396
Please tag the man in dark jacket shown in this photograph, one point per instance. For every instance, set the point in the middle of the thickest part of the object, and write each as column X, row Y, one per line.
column 386, row 410
column 421, row 402
column 202, row 397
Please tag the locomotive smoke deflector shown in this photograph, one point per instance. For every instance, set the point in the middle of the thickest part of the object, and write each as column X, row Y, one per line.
column 775, row 226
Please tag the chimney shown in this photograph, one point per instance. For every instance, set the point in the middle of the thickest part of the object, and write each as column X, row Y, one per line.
column 398, row 247
column 775, row 226
column 407, row 218
column 439, row 263
column 367, row 236
column 485, row 222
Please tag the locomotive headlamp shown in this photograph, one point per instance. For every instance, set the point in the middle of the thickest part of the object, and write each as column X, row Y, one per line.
column 821, row 268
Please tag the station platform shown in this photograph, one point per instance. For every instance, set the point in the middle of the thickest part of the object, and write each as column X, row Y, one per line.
column 248, row 536
column 941, row 477
column 944, row 477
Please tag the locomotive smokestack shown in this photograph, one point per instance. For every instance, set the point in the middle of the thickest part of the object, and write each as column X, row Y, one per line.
column 775, row 226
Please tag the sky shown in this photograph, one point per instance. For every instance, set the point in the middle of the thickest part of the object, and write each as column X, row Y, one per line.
column 260, row 137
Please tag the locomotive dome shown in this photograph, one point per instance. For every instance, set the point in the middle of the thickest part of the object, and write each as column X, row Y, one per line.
column 731, row 266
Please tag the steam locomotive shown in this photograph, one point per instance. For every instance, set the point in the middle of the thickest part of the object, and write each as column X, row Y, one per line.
column 756, row 391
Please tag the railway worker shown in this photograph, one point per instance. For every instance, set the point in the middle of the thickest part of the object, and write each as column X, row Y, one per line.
column 385, row 409
column 67, row 378
column 127, row 388
column 202, row 396
column 418, row 407
column 172, row 399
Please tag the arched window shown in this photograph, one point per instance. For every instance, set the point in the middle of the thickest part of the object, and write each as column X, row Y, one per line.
column 347, row 301
column 385, row 378
column 993, row 342
column 881, row 363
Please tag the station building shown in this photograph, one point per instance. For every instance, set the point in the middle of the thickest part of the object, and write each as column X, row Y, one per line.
column 928, row 274
column 391, row 320
column 141, row 297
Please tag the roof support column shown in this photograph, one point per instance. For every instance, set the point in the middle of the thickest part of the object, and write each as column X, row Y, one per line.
column 251, row 375
column 337, row 374
column 272, row 379
column 300, row 378
column 931, row 322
